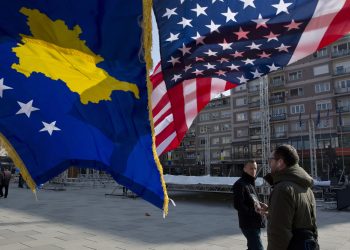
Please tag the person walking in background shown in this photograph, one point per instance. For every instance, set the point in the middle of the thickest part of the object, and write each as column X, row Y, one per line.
column 20, row 180
column 245, row 200
column 6, row 177
column 292, row 205
column 1, row 181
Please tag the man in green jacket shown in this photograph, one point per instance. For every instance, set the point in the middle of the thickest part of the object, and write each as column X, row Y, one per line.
column 292, row 206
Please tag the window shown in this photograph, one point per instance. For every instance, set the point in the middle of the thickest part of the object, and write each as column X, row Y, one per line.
column 344, row 104
column 280, row 130
column 321, row 53
column 202, row 141
column 215, row 154
column 278, row 79
column 325, row 123
column 226, row 127
column 322, row 87
column 241, row 101
column 324, row 105
column 297, row 92
column 216, row 128
column 345, row 121
column 215, row 140
column 343, row 84
column 255, row 131
column 240, row 88
column 215, row 115
column 226, row 139
column 204, row 117
column 320, row 70
column 242, row 132
column 241, row 117
column 225, row 153
column 254, row 86
column 296, row 109
column 203, row 129
column 279, row 111
column 226, row 114
column 341, row 49
column 255, row 116
column 342, row 68
column 295, row 126
column 295, row 75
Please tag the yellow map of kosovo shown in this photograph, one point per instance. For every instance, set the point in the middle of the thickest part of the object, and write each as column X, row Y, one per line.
column 57, row 52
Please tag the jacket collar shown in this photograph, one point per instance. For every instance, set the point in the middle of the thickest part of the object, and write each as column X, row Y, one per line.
column 248, row 178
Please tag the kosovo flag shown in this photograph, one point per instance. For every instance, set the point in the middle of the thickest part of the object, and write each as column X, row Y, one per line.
column 73, row 92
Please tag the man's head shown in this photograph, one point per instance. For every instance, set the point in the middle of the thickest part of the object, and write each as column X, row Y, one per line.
column 250, row 168
column 282, row 157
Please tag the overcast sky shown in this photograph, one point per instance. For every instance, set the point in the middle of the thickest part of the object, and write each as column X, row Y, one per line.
column 155, row 48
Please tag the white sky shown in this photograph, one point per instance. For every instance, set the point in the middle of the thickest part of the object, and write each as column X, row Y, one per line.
column 155, row 42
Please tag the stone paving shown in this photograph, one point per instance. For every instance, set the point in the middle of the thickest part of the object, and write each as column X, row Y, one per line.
column 85, row 218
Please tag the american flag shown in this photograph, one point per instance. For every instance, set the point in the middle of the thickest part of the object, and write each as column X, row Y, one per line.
column 210, row 46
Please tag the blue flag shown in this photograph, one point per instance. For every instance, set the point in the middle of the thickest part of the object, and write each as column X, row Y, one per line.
column 73, row 92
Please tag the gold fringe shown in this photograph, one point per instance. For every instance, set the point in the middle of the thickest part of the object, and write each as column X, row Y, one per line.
column 18, row 163
column 147, row 46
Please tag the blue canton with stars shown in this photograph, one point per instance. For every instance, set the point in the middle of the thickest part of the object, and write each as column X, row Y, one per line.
column 47, row 124
column 236, row 40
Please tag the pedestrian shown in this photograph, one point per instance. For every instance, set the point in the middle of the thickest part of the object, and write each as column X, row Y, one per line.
column 292, row 206
column 20, row 180
column 6, row 177
column 246, row 201
column 1, row 181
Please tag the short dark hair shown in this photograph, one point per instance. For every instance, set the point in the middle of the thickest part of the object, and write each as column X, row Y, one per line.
column 288, row 153
column 250, row 161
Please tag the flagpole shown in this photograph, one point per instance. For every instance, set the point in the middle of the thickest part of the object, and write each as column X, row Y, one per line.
column 321, row 137
column 302, row 148
column 342, row 142
column 321, row 151
column 342, row 151
column 330, row 140
column 301, row 138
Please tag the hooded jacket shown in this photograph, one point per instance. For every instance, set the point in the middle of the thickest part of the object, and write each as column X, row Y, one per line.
column 244, row 194
column 291, row 206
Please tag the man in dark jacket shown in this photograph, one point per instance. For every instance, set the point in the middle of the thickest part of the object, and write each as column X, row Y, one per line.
column 292, row 206
column 246, row 202
column 6, row 177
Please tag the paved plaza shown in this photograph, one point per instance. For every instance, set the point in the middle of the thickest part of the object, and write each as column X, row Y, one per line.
column 85, row 218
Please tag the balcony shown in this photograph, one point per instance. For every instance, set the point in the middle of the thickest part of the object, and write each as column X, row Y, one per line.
column 253, row 89
column 255, row 137
column 339, row 53
column 277, row 83
column 342, row 109
column 279, row 135
column 341, row 90
column 276, row 100
column 254, row 123
column 342, row 71
column 278, row 117
column 240, row 155
column 344, row 129
column 254, row 104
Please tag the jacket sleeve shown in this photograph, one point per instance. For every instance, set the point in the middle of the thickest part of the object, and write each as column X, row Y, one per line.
column 280, row 220
column 239, row 196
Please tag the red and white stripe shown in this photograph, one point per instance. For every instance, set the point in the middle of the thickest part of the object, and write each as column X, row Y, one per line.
column 326, row 26
column 175, row 109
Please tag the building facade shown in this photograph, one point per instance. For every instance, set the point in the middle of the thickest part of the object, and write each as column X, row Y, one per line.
column 227, row 132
